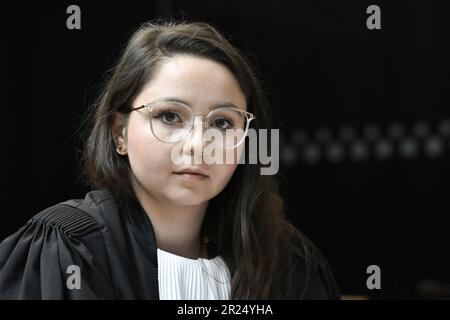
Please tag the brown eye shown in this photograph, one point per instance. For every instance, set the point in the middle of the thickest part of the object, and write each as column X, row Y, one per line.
column 222, row 123
column 168, row 117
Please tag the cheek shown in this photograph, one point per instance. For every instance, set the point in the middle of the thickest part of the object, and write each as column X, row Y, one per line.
column 222, row 174
column 149, row 158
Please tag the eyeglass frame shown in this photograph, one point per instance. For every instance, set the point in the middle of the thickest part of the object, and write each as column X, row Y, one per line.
column 250, row 116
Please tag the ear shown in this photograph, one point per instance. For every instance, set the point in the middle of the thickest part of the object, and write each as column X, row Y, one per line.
column 119, row 129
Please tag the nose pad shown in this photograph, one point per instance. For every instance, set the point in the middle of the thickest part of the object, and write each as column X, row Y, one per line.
column 193, row 143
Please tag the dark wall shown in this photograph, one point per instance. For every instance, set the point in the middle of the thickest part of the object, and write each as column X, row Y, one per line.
column 365, row 120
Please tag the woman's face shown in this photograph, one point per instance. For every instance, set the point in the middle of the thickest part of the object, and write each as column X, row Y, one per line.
column 201, row 83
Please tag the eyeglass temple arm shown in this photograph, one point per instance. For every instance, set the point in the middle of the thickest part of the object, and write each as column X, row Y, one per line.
column 252, row 116
column 131, row 110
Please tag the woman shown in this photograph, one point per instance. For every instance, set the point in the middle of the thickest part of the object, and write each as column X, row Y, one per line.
column 156, row 228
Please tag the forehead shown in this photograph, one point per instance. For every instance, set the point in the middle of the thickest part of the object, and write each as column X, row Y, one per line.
column 199, row 81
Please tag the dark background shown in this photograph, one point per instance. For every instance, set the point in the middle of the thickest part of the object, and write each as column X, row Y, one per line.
column 365, row 120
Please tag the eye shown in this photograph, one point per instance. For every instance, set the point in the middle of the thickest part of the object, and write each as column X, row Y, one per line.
column 223, row 123
column 168, row 117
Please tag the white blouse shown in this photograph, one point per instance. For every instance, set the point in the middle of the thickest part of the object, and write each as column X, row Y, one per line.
column 181, row 278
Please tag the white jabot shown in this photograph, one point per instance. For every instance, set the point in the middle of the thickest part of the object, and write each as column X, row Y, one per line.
column 181, row 278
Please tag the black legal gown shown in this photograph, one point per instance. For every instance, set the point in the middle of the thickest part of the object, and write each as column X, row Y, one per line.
column 113, row 244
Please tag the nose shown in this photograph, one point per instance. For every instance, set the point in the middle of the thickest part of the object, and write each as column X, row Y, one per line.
column 194, row 142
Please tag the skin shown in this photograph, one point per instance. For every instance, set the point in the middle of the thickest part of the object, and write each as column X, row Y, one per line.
column 176, row 207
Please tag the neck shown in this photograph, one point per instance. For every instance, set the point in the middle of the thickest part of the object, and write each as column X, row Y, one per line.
column 177, row 228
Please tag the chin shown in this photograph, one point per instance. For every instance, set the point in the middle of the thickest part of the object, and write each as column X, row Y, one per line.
column 188, row 198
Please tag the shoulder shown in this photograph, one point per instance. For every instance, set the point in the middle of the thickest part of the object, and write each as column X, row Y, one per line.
column 75, row 217
column 34, row 261
column 313, row 272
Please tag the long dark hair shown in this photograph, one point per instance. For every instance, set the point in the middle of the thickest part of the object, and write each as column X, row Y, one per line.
column 246, row 221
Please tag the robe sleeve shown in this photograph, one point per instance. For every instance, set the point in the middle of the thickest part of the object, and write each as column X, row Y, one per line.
column 58, row 254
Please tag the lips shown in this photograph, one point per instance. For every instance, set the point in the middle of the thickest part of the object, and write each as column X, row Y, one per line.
column 191, row 171
column 191, row 174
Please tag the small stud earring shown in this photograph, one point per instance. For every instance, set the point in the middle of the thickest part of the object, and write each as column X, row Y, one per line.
column 120, row 150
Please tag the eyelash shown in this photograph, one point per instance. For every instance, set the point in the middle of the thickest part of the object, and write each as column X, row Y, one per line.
column 162, row 114
column 228, row 122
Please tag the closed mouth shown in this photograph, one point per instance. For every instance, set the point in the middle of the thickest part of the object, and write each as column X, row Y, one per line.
column 191, row 172
column 191, row 176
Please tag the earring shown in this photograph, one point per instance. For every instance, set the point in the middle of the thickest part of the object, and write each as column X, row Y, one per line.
column 121, row 150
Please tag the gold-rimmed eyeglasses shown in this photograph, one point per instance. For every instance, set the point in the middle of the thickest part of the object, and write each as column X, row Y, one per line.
column 171, row 121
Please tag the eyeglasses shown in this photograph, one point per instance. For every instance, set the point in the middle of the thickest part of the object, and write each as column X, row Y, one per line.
column 171, row 122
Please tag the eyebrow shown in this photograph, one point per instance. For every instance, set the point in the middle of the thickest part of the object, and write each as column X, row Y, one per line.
column 215, row 106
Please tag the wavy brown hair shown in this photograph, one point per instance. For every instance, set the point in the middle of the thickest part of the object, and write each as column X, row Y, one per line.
column 246, row 221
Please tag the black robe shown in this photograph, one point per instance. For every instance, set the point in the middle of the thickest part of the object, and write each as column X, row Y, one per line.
column 114, row 246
